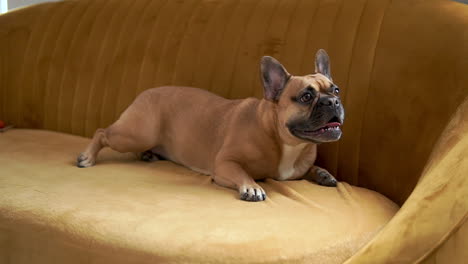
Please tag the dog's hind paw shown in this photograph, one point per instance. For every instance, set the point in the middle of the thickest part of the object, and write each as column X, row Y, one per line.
column 149, row 156
column 84, row 161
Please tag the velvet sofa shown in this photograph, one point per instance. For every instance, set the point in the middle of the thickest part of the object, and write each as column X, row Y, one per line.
column 70, row 67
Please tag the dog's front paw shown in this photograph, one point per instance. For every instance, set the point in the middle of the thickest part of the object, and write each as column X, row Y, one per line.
column 84, row 161
column 252, row 193
column 323, row 177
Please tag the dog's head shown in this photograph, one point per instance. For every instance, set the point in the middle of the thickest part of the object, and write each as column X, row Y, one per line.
column 308, row 107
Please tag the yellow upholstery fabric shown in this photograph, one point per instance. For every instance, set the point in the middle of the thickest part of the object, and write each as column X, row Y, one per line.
column 435, row 215
column 73, row 66
column 164, row 213
column 453, row 250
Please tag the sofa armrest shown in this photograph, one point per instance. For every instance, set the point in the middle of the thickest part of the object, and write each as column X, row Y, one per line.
column 436, row 210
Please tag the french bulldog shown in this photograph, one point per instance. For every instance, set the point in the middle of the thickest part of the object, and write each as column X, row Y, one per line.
column 234, row 141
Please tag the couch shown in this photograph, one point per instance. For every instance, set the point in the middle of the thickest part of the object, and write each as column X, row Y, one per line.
column 70, row 67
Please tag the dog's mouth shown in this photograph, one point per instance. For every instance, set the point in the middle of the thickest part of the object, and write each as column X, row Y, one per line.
column 333, row 125
column 330, row 131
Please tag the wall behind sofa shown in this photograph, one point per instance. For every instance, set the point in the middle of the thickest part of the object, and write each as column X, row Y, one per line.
column 11, row 4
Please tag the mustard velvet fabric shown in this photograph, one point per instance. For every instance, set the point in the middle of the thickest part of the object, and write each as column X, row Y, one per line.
column 162, row 213
column 73, row 66
column 431, row 227
column 453, row 250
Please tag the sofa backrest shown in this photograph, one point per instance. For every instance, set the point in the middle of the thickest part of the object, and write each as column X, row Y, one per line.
column 74, row 66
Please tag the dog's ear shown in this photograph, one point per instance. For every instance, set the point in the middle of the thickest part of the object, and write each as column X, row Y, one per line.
column 274, row 77
column 322, row 63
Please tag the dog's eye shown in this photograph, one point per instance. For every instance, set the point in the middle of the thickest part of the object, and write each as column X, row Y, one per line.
column 305, row 98
column 336, row 90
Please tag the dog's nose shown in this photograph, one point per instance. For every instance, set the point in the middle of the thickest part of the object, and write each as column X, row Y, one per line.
column 329, row 101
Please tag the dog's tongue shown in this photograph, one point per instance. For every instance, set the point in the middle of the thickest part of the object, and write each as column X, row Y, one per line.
column 333, row 124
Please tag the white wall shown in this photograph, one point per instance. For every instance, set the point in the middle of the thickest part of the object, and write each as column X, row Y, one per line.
column 3, row 6
column 18, row 3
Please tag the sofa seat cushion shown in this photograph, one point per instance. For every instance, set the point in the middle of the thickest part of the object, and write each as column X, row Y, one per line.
column 127, row 211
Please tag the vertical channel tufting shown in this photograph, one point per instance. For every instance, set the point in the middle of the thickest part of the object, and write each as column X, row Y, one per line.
column 47, row 50
column 298, row 35
column 210, row 52
column 84, row 73
column 86, row 114
column 123, row 63
column 222, row 49
column 238, row 46
column 413, row 77
column 176, row 78
column 130, row 57
column 250, row 47
column 164, row 74
column 50, row 48
column 105, row 35
column 3, row 63
column 25, row 98
column 345, row 81
column 17, row 41
column 357, row 83
column 342, row 43
column 158, row 53
column 145, row 42
column 328, row 153
column 226, row 59
column 29, row 113
column 58, row 72
column 186, row 57
column 202, row 40
column 182, row 38
column 256, row 88
column 3, row 71
column 115, row 66
column 253, row 35
column 79, row 52
column 70, row 71
column 310, row 28
column 154, row 43
column 39, row 67
column 218, row 54
column 126, row 85
column 369, row 82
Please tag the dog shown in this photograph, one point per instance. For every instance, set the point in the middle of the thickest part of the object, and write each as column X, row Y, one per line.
column 234, row 141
